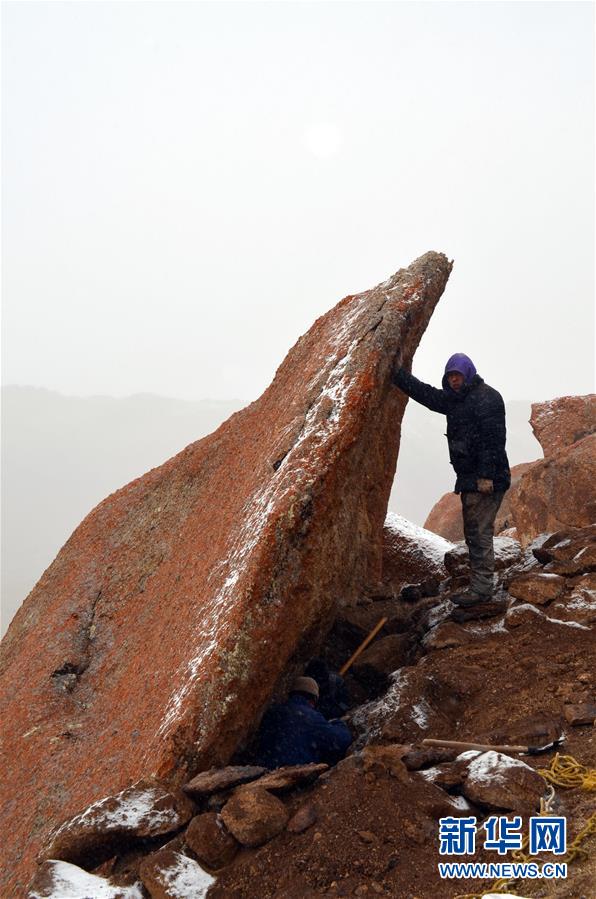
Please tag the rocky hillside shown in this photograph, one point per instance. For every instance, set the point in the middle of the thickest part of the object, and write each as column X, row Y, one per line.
column 136, row 673
column 523, row 673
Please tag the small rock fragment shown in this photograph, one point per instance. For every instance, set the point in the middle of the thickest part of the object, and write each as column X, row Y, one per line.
column 304, row 818
column 580, row 713
column 210, row 841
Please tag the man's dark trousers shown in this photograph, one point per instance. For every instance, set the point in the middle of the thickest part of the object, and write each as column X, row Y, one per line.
column 479, row 513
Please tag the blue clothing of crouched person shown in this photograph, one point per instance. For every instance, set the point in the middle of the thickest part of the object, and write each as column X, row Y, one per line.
column 295, row 733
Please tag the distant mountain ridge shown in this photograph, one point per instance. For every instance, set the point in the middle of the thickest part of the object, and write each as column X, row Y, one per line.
column 61, row 455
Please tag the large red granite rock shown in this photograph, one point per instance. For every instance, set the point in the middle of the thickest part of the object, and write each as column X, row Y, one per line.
column 563, row 421
column 557, row 492
column 183, row 600
column 445, row 517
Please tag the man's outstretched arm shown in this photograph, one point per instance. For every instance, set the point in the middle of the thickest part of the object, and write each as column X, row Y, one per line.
column 425, row 394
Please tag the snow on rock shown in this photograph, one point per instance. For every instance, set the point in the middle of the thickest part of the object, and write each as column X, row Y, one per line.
column 61, row 880
column 143, row 810
column 411, row 553
column 496, row 780
column 173, row 875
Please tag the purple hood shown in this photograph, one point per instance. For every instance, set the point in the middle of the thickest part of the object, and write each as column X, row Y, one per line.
column 463, row 364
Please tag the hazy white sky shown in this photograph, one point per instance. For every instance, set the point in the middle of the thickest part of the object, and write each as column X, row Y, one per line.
column 187, row 186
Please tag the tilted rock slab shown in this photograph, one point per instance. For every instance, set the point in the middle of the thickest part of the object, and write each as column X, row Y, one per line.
column 156, row 637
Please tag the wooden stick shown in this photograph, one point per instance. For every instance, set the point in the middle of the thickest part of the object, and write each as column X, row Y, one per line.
column 362, row 646
column 531, row 750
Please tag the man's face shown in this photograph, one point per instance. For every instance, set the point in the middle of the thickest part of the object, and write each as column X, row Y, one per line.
column 455, row 380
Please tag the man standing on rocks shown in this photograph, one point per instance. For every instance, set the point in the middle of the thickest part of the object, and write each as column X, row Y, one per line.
column 476, row 437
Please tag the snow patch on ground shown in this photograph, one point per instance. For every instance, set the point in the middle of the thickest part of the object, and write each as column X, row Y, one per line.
column 420, row 713
column 71, row 882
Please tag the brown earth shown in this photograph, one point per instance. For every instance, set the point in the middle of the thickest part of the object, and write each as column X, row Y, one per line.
column 146, row 647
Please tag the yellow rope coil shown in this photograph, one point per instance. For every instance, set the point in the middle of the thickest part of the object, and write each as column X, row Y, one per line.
column 566, row 772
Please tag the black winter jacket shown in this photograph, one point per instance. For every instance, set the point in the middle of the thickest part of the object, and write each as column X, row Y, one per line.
column 475, row 428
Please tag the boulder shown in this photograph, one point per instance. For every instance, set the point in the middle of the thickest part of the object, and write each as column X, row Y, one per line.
column 253, row 816
column 144, row 810
column 209, row 840
column 58, row 880
column 219, row 779
column 498, row 781
column 539, row 588
column 563, row 421
column 557, row 492
column 445, row 517
column 167, row 874
column 410, row 553
column 185, row 599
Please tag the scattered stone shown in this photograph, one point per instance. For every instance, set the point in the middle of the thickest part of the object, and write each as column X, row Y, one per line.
column 366, row 836
column 582, row 562
column 58, row 880
column 291, row 776
column 218, row 779
column 499, row 781
column 522, row 614
column 486, row 609
column 304, row 818
column 538, row 588
column 445, row 635
column 580, row 713
column 145, row 809
column 254, row 816
column 210, row 841
column 172, row 875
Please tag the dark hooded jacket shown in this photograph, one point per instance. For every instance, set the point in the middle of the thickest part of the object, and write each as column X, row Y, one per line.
column 295, row 733
column 475, row 427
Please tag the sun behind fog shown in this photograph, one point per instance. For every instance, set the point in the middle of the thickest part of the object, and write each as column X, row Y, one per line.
column 323, row 139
